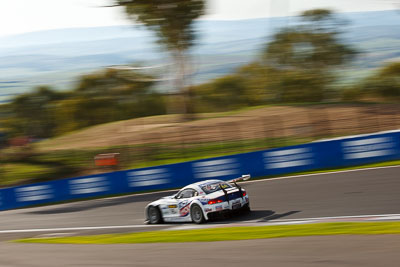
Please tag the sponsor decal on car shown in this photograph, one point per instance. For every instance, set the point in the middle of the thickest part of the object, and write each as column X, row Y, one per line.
column 218, row 208
column 172, row 206
column 207, row 209
column 183, row 203
column 184, row 208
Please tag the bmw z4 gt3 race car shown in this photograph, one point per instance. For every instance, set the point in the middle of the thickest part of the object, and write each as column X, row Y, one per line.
column 200, row 202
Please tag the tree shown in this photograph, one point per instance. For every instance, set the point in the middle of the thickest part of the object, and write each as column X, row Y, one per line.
column 110, row 95
column 260, row 82
column 119, row 84
column 172, row 21
column 385, row 83
column 313, row 47
column 314, row 44
column 300, row 86
column 35, row 111
column 100, row 97
column 223, row 94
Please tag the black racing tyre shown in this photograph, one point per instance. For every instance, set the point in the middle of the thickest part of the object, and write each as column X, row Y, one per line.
column 246, row 208
column 197, row 214
column 154, row 215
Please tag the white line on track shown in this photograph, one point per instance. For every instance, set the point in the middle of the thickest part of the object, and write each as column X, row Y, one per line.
column 79, row 228
column 379, row 217
column 357, row 218
column 368, row 217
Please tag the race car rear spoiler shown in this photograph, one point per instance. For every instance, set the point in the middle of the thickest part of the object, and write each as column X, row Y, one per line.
column 244, row 177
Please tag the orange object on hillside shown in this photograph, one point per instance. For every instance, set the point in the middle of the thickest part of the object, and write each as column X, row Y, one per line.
column 109, row 159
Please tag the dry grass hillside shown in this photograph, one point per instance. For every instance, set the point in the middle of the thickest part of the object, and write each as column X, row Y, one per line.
column 315, row 121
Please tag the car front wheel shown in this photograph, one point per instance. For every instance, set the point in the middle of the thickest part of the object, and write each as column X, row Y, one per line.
column 154, row 215
column 197, row 214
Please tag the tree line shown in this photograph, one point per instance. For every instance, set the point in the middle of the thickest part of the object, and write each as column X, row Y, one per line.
column 104, row 96
column 299, row 65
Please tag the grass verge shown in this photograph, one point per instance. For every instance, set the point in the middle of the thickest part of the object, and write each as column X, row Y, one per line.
column 11, row 173
column 230, row 233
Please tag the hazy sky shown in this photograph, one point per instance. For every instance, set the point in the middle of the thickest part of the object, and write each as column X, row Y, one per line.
column 19, row 16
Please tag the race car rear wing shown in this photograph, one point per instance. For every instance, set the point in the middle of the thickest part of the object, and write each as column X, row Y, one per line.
column 244, row 177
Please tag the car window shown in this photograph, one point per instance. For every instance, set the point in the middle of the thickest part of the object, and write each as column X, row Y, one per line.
column 213, row 187
column 187, row 193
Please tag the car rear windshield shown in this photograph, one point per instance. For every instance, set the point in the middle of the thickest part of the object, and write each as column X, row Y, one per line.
column 214, row 187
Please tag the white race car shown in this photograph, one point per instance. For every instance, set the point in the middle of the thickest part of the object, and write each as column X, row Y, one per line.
column 199, row 202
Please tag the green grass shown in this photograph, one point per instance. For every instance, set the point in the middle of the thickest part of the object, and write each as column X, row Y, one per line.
column 12, row 173
column 230, row 233
column 70, row 163
column 159, row 154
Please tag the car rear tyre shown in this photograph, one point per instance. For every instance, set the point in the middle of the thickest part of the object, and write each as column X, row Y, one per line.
column 246, row 208
column 197, row 214
column 154, row 215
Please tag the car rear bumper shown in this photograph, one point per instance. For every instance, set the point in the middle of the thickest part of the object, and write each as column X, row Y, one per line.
column 226, row 212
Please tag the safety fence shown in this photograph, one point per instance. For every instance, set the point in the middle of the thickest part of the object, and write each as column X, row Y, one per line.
column 340, row 152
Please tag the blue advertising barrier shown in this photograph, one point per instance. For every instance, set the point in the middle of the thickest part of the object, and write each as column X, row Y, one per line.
column 353, row 150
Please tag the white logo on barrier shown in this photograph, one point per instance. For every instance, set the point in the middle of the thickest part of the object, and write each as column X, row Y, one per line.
column 368, row 148
column 215, row 168
column 148, row 177
column 89, row 185
column 33, row 193
column 288, row 158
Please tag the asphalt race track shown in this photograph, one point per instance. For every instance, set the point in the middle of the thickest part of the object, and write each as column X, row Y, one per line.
column 350, row 193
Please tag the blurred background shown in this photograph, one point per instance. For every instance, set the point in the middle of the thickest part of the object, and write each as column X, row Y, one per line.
column 94, row 86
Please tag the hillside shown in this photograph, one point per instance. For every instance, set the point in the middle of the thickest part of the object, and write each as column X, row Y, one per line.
column 300, row 121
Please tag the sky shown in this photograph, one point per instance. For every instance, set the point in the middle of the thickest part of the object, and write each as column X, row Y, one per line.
column 20, row 16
